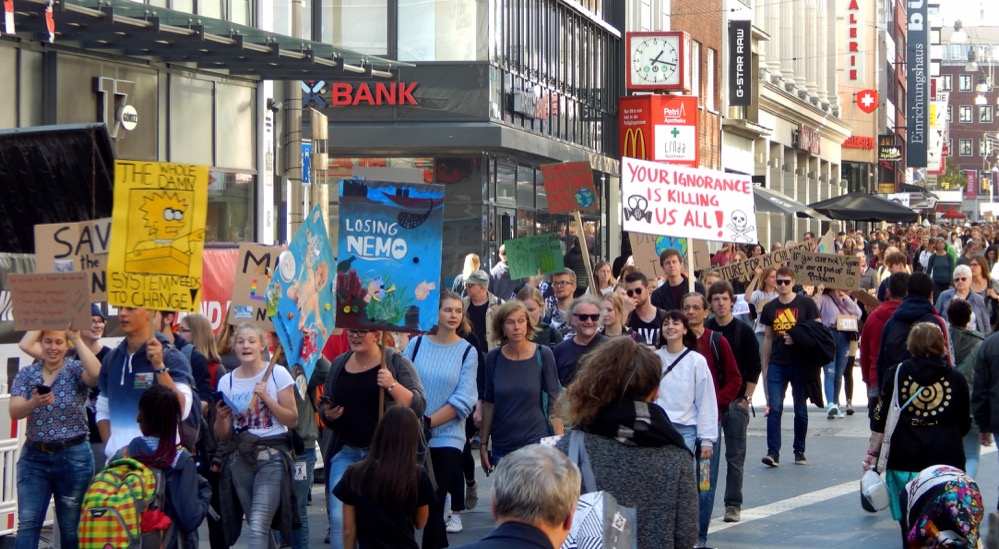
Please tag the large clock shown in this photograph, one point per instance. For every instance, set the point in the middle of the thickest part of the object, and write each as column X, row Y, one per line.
column 657, row 61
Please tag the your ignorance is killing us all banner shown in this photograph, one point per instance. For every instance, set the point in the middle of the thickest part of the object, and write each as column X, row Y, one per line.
column 670, row 200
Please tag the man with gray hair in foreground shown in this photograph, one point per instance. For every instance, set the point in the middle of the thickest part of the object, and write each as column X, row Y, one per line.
column 534, row 498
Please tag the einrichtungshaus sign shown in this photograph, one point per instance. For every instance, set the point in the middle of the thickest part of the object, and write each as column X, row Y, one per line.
column 917, row 98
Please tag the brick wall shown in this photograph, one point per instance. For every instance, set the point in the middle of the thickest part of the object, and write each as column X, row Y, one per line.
column 702, row 20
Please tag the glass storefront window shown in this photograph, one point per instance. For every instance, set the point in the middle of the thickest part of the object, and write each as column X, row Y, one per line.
column 506, row 181
column 230, row 207
column 358, row 25
column 525, row 187
column 446, row 30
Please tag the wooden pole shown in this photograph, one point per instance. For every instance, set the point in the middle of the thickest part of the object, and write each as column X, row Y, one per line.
column 690, row 265
column 384, row 366
column 582, row 246
column 275, row 357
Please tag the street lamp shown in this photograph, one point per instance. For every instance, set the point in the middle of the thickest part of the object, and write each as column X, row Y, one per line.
column 959, row 36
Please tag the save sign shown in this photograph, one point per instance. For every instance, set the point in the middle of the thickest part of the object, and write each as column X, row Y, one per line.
column 672, row 200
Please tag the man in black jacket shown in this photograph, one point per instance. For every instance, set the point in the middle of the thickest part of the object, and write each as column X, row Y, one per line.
column 669, row 296
column 735, row 418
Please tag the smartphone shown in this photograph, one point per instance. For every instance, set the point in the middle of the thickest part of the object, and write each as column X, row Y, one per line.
column 218, row 396
column 328, row 400
column 44, row 389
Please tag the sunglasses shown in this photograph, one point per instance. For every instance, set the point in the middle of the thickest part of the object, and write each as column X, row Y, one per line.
column 961, row 279
column 591, row 318
column 784, row 282
column 358, row 332
column 633, row 292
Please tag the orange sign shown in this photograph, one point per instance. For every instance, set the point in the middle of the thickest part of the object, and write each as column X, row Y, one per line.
column 661, row 128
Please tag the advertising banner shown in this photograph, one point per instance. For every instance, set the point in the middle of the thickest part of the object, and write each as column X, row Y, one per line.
column 75, row 247
column 971, row 189
column 673, row 200
column 740, row 81
column 917, row 84
column 254, row 267
column 526, row 256
column 390, row 255
column 569, row 186
column 833, row 271
column 157, row 235
column 50, row 301
column 888, row 151
column 300, row 295
column 662, row 128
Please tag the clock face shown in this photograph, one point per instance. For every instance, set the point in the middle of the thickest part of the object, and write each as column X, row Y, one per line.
column 655, row 60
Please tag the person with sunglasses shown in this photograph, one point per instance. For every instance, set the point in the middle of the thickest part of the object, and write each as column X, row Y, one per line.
column 349, row 407
column 646, row 319
column 779, row 316
column 585, row 319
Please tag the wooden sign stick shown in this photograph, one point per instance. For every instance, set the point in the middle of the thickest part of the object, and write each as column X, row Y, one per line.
column 582, row 246
column 276, row 356
column 690, row 265
column 384, row 366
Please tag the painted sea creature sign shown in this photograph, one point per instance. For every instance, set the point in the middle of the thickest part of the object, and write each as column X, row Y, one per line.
column 390, row 255
column 157, row 235
column 300, row 294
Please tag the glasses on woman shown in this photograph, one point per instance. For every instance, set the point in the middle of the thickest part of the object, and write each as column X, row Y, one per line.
column 357, row 332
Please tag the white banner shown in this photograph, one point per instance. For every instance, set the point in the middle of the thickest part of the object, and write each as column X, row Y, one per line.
column 672, row 200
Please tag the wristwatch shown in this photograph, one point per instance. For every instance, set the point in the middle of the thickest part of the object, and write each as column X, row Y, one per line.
column 746, row 398
column 390, row 387
column 162, row 370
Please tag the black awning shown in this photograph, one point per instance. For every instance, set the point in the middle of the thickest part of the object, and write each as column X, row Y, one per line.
column 52, row 174
column 139, row 30
column 769, row 201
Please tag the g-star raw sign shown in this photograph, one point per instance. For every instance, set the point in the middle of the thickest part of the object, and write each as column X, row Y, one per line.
column 740, row 84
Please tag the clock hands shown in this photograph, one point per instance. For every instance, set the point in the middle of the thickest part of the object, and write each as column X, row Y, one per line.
column 657, row 60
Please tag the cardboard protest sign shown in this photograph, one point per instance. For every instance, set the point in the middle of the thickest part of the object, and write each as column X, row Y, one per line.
column 300, row 294
column 526, row 256
column 254, row 267
column 747, row 268
column 389, row 255
column 157, row 235
column 50, row 301
column 75, row 247
column 569, row 186
column 833, row 271
column 645, row 250
column 867, row 300
column 673, row 200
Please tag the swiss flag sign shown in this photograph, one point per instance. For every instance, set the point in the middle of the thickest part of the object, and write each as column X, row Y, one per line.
column 867, row 100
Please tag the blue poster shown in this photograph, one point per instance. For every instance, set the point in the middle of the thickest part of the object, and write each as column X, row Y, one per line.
column 390, row 255
column 300, row 295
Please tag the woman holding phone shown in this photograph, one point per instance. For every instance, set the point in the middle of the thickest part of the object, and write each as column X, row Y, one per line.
column 56, row 458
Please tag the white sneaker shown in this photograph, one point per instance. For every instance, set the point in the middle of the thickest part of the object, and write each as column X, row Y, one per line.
column 454, row 525
column 832, row 412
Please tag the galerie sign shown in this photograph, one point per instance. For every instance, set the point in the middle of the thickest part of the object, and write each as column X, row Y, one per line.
column 674, row 200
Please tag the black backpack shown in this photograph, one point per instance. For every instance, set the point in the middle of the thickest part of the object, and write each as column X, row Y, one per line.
column 893, row 342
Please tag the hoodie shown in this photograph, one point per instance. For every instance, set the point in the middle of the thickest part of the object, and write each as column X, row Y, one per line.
column 870, row 341
column 914, row 309
column 931, row 428
column 187, row 494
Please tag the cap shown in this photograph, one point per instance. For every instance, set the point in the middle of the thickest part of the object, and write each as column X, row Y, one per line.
column 478, row 277
column 95, row 310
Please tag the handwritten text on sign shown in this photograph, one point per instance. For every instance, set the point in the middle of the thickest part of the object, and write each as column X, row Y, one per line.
column 833, row 271
column 50, row 301
column 158, row 233
column 526, row 256
column 569, row 187
column 747, row 268
column 674, row 200
column 72, row 247
column 254, row 267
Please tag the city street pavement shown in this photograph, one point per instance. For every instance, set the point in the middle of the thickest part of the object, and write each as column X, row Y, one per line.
column 791, row 506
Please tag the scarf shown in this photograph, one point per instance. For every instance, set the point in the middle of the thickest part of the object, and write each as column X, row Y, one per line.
column 635, row 423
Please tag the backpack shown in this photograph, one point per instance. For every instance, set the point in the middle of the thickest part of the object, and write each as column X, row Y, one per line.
column 123, row 508
column 893, row 342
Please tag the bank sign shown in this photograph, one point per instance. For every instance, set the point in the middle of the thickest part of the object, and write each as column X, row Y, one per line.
column 324, row 94
column 917, row 100
column 661, row 128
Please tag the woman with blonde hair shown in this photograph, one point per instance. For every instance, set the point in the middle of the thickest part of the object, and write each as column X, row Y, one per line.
column 545, row 334
column 611, row 402
column 614, row 317
column 472, row 263
column 605, row 281
column 196, row 329
column 224, row 343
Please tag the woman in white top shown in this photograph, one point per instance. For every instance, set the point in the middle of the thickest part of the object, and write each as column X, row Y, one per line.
column 257, row 412
column 687, row 391
column 604, row 279
column 759, row 298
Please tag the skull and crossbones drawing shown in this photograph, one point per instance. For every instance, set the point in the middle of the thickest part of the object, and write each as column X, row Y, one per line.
column 740, row 227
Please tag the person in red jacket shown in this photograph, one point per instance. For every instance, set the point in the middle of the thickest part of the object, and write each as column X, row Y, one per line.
column 870, row 336
column 728, row 385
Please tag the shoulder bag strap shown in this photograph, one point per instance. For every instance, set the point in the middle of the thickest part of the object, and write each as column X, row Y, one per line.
column 579, row 456
column 675, row 362
column 416, row 347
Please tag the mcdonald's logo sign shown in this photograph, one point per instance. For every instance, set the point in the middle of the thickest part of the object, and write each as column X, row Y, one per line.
column 633, row 144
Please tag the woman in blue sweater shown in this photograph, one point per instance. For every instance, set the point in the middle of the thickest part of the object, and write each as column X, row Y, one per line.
column 447, row 365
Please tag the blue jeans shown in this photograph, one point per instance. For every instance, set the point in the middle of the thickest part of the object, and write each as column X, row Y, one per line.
column 338, row 465
column 706, row 498
column 40, row 475
column 833, row 372
column 972, row 451
column 259, row 493
column 304, row 463
column 689, row 434
column 778, row 378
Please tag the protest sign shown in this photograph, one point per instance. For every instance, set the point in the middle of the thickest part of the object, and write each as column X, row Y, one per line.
column 569, row 186
column 254, row 267
column 645, row 250
column 747, row 269
column 526, row 256
column 390, row 255
column 300, row 294
column 673, row 200
column 828, row 243
column 840, row 272
column 50, row 301
column 157, row 235
column 75, row 247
